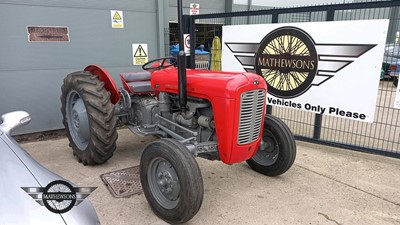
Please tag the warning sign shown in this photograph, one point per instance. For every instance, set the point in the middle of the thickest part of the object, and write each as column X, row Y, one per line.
column 194, row 9
column 140, row 55
column 117, row 16
column 117, row 19
column 186, row 38
column 140, row 52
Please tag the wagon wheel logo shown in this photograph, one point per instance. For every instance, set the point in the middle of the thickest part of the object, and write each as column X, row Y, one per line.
column 291, row 61
column 59, row 196
column 288, row 60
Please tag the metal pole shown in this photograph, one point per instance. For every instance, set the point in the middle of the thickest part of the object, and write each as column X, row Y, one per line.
column 181, row 62
column 249, row 4
column 330, row 16
column 275, row 19
column 192, row 31
column 161, row 30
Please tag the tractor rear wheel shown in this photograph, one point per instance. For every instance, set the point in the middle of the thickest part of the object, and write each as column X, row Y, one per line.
column 278, row 151
column 88, row 116
column 171, row 181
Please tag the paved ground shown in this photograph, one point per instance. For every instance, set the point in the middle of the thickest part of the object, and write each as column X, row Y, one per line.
column 325, row 186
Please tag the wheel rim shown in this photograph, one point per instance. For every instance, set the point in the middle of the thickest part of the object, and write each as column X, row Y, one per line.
column 163, row 182
column 267, row 154
column 78, row 122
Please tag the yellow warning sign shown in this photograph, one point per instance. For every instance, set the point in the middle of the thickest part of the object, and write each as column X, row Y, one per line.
column 117, row 19
column 140, row 52
column 140, row 55
column 117, row 16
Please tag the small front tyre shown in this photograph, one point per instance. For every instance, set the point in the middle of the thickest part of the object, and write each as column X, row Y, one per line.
column 277, row 152
column 171, row 181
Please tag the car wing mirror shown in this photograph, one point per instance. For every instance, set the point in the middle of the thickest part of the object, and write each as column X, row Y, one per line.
column 13, row 120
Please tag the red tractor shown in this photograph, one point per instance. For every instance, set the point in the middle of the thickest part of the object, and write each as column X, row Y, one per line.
column 209, row 114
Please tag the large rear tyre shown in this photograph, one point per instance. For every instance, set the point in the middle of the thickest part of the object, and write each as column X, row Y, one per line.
column 395, row 81
column 88, row 116
column 171, row 181
column 277, row 152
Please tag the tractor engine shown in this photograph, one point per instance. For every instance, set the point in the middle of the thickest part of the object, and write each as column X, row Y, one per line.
column 224, row 111
column 162, row 116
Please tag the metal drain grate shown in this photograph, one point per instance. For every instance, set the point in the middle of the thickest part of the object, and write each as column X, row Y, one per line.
column 123, row 183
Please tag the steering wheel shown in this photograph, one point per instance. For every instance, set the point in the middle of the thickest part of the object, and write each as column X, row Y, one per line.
column 159, row 64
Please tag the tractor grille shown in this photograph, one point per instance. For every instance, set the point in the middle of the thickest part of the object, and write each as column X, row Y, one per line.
column 252, row 104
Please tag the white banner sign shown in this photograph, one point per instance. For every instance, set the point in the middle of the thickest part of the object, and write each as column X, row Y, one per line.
column 330, row 68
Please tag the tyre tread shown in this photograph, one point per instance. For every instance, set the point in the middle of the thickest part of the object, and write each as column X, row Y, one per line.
column 186, row 164
column 287, row 154
column 100, row 110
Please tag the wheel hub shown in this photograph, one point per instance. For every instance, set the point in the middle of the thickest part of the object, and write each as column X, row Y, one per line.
column 270, row 145
column 77, row 119
column 164, row 182
column 80, row 119
column 268, row 151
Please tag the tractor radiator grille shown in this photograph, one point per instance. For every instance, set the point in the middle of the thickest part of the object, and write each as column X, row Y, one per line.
column 252, row 104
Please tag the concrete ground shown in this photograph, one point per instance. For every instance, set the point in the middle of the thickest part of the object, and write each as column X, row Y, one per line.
column 325, row 186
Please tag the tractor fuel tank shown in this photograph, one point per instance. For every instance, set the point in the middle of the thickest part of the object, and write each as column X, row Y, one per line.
column 238, row 103
column 204, row 83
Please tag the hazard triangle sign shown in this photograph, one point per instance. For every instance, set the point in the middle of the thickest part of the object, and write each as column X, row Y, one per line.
column 117, row 19
column 140, row 52
column 140, row 55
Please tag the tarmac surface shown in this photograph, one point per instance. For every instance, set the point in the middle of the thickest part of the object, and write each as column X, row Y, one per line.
column 324, row 186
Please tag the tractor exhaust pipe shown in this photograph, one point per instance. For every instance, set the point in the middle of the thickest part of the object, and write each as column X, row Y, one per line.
column 181, row 62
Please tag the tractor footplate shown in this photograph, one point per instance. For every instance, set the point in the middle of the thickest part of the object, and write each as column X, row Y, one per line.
column 123, row 183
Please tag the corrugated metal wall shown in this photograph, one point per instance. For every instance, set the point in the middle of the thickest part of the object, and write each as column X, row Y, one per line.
column 31, row 74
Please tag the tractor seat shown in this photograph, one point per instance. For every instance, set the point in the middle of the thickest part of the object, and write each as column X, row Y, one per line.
column 137, row 82
column 136, row 76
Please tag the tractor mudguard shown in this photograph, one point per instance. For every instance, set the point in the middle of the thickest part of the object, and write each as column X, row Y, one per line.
column 109, row 83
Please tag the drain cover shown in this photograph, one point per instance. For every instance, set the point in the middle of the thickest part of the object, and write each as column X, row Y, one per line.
column 123, row 183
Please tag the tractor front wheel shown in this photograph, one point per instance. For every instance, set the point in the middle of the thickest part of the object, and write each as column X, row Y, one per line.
column 277, row 152
column 88, row 117
column 171, row 181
